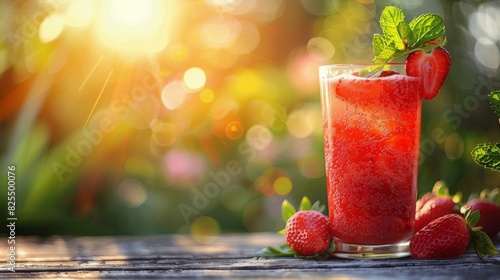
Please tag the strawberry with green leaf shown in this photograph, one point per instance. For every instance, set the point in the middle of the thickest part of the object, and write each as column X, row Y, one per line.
column 307, row 232
column 488, row 204
column 450, row 236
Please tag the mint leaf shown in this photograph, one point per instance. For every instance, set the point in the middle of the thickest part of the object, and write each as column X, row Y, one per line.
column 390, row 18
column 405, row 33
column 426, row 27
column 441, row 40
column 487, row 155
column 378, row 44
column 385, row 56
column 495, row 101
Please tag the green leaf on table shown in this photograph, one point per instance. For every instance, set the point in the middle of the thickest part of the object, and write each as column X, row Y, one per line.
column 482, row 243
column 426, row 27
column 286, row 251
column 487, row 155
column 282, row 251
column 495, row 101
column 480, row 240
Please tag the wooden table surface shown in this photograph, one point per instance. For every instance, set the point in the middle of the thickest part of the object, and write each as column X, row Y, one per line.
column 229, row 256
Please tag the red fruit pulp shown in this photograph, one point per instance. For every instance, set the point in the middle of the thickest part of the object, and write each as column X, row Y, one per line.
column 431, row 67
column 371, row 135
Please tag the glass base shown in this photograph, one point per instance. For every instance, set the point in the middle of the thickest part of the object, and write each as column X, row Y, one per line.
column 388, row 251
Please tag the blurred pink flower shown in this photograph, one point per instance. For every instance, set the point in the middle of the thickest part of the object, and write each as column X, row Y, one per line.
column 183, row 166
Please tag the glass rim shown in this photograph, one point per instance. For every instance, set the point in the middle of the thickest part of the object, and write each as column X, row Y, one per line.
column 361, row 64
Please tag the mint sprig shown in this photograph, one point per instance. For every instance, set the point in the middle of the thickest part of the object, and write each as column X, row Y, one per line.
column 488, row 154
column 494, row 97
column 400, row 38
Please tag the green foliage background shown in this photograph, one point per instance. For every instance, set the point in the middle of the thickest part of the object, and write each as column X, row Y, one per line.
column 225, row 158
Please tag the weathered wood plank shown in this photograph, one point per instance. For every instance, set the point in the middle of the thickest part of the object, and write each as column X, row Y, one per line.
column 230, row 256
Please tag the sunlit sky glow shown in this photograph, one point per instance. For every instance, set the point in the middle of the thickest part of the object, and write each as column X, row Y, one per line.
column 135, row 26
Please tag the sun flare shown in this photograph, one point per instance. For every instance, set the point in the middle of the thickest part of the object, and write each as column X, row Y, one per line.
column 134, row 26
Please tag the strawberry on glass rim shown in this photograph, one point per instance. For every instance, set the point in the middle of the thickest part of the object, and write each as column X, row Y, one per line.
column 421, row 41
column 432, row 67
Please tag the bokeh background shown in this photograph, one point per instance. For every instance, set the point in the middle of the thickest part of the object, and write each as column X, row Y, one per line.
column 201, row 116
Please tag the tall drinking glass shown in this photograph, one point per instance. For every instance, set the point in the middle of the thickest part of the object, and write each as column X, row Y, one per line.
column 371, row 139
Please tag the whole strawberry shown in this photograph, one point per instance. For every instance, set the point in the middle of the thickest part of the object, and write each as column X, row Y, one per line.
column 434, row 208
column 308, row 232
column 449, row 237
column 446, row 237
column 490, row 215
column 488, row 204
